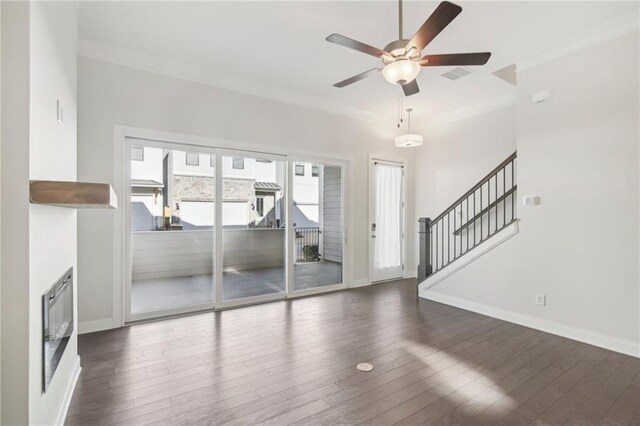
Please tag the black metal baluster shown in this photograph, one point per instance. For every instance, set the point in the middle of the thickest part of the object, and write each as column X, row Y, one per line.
column 496, row 207
column 466, row 222
column 448, row 237
column 481, row 215
column 455, row 251
column 435, row 240
column 504, row 196
column 513, row 201
column 474, row 218
column 442, row 242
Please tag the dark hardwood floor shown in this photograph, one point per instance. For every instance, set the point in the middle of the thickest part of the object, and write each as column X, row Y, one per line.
column 293, row 362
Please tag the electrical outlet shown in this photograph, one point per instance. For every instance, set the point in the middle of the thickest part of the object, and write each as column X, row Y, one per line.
column 541, row 299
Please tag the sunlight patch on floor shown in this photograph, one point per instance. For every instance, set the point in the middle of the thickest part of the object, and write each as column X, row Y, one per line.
column 460, row 381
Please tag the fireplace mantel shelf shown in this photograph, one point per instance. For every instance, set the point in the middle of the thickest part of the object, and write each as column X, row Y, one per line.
column 76, row 195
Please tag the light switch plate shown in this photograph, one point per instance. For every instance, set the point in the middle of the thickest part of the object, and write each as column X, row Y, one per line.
column 541, row 299
column 530, row 200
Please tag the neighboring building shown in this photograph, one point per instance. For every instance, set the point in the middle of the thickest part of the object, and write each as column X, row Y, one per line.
column 185, row 183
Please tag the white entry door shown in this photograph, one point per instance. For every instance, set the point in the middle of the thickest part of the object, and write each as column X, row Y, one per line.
column 386, row 227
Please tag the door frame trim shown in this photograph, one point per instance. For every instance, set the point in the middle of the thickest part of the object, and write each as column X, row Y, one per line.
column 393, row 161
column 216, row 145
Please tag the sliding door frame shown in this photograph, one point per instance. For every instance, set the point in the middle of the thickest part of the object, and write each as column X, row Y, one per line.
column 128, row 255
column 219, row 282
column 126, row 136
column 293, row 159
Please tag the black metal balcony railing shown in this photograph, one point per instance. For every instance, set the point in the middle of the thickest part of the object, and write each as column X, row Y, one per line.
column 485, row 209
column 307, row 244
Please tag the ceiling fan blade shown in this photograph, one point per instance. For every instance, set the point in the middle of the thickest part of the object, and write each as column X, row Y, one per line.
column 356, row 78
column 356, row 45
column 439, row 19
column 479, row 58
column 411, row 88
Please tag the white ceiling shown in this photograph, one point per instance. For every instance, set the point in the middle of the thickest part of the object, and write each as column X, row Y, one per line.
column 278, row 48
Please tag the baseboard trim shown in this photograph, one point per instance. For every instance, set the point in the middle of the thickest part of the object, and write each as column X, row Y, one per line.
column 473, row 254
column 627, row 347
column 411, row 274
column 359, row 283
column 96, row 325
column 61, row 415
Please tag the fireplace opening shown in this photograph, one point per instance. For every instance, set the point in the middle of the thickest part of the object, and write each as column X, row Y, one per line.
column 57, row 324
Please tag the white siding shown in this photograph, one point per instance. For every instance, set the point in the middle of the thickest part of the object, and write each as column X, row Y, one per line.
column 332, row 206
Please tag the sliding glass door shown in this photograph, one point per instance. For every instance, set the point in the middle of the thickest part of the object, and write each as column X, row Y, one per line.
column 212, row 227
column 172, row 228
column 316, row 212
column 253, row 228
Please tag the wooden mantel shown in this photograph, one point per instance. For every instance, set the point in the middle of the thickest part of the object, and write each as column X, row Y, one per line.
column 77, row 195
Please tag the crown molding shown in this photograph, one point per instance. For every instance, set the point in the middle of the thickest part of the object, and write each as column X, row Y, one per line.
column 107, row 53
column 126, row 58
column 472, row 111
column 603, row 32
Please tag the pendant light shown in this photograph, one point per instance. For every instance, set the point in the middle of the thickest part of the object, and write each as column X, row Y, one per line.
column 409, row 140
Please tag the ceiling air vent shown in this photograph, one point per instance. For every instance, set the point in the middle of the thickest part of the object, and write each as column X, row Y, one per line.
column 457, row 73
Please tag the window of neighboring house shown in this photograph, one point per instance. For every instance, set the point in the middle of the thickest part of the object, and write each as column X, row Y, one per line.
column 212, row 161
column 315, row 170
column 137, row 153
column 260, row 206
column 237, row 163
column 299, row 169
column 193, row 159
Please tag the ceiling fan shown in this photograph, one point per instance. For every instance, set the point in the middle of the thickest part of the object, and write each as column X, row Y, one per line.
column 401, row 58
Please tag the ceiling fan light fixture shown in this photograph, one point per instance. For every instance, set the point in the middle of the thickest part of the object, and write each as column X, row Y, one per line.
column 409, row 140
column 402, row 71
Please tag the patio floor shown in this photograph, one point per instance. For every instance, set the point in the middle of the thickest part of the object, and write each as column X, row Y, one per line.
column 167, row 293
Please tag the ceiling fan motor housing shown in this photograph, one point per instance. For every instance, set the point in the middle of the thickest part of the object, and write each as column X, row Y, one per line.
column 398, row 49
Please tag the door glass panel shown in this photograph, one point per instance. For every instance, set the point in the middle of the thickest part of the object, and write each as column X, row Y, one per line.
column 172, row 219
column 317, row 217
column 253, row 237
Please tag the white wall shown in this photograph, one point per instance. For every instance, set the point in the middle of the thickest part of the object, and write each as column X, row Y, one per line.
column 15, row 215
column 580, row 153
column 457, row 155
column 39, row 41
column 151, row 166
column 111, row 94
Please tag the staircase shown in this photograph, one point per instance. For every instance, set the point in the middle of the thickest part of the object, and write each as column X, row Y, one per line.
column 481, row 213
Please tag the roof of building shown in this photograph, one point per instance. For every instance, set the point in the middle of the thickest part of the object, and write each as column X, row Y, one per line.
column 146, row 183
column 267, row 187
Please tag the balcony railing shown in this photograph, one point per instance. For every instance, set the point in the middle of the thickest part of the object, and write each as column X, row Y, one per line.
column 308, row 244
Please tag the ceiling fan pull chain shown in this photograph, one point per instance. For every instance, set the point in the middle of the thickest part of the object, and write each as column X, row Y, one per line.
column 401, row 104
column 398, row 111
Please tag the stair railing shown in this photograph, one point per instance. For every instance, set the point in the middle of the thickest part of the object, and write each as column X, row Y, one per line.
column 488, row 207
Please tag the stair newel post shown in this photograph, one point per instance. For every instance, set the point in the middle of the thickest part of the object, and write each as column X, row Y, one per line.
column 424, row 267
